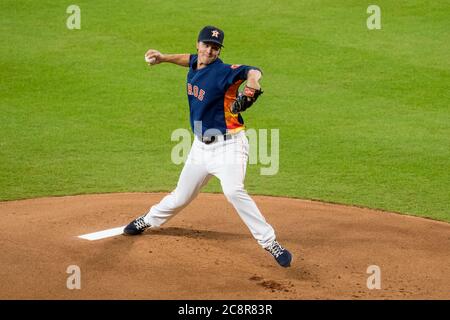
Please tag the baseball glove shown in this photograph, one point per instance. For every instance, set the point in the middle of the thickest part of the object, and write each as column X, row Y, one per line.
column 245, row 99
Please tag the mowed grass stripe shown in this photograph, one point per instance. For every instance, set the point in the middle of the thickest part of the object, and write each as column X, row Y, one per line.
column 363, row 115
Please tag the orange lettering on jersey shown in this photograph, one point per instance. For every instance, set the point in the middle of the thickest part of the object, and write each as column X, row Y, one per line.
column 201, row 95
column 196, row 91
column 235, row 66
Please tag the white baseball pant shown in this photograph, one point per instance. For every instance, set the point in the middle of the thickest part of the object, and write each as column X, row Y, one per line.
column 227, row 160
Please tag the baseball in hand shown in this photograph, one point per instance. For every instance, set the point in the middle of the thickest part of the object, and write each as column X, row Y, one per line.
column 150, row 60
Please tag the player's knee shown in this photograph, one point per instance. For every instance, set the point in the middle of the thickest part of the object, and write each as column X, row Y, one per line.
column 233, row 194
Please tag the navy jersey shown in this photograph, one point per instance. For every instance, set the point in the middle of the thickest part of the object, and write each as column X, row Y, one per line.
column 211, row 92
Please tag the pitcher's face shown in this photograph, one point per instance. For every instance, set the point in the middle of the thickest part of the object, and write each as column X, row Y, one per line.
column 207, row 52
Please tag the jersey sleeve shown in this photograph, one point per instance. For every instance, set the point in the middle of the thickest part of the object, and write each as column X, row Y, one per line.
column 236, row 73
column 192, row 60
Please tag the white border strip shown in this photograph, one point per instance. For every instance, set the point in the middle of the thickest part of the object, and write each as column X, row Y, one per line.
column 103, row 234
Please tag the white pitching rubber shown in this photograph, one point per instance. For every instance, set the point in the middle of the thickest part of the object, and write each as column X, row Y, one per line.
column 103, row 234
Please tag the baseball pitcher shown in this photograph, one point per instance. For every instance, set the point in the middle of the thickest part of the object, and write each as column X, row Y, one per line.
column 220, row 147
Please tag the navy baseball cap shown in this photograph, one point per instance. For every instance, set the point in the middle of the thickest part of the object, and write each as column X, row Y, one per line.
column 211, row 34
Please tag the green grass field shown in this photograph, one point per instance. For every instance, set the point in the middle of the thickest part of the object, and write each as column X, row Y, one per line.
column 364, row 115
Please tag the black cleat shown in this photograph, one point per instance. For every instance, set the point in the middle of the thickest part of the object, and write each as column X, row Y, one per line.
column 282, row 255
column 137, row 226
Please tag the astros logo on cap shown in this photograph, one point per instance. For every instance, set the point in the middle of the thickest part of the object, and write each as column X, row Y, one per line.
column 215, row 33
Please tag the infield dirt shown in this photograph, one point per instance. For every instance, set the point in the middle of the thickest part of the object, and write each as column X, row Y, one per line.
column 206, row 251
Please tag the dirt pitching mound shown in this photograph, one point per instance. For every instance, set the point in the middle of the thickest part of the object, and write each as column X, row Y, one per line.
column 206, row 251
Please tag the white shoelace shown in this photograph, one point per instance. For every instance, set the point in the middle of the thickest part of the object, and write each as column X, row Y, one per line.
column 140, row 223
column 275, row 249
